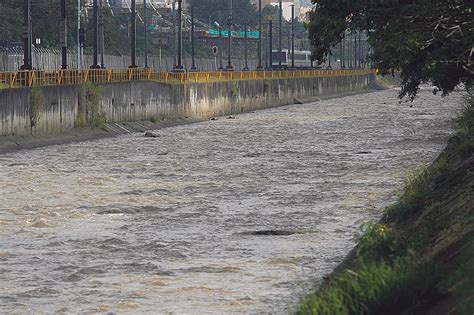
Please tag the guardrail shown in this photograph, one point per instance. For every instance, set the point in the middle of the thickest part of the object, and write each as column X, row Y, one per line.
column 31, row 78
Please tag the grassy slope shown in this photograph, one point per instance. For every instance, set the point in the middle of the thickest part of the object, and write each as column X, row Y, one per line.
column 420, row 258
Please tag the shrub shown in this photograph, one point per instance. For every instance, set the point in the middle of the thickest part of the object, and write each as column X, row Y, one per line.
column 378, row 242
column 89, row 109
column 36, row 105
column 417, row 192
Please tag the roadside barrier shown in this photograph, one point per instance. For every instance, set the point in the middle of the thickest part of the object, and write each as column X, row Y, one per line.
column 16, row 79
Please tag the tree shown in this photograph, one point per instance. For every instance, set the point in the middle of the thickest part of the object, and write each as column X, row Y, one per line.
column 425, row 40
column 212, row 9
column 45, row 16
column 10, row 24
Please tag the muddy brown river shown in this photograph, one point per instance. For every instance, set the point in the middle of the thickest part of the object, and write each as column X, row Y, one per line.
column 237, row 215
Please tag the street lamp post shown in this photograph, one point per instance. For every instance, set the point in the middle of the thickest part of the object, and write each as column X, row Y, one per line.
column 95, row 13
column 343, row 51
column 220, row 41
column 179, row 67
column 293, row 36
column 246, row 67
column 133, row 21
column 280, row 31
column 259, row 66
column 63, row 35
column 26, row 36
column 270, row 40
column 145, row 22
column 340, row 54
column 360, row 52
column 102, row 39
column 348, row 52
column 78, row 42
column 329, row 58
column 229, row 39
column 356, row 51
column 193, row 55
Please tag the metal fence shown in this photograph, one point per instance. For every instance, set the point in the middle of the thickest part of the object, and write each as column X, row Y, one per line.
column 11, row 59
column 14, row 79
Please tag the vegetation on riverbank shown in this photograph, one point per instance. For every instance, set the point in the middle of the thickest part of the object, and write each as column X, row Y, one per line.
column 89, row 111
column 420, row 257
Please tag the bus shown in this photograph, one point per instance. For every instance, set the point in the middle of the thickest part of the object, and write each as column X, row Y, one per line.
column 302, row 58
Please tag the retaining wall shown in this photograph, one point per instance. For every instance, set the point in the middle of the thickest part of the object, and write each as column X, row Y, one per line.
column 145, row 100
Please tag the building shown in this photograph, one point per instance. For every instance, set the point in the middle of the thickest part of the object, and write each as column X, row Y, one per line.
column 286, row 6
column 264, row 2
column 155, row 3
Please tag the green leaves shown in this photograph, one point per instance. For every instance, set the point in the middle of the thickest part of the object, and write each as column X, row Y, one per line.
column 425, row 40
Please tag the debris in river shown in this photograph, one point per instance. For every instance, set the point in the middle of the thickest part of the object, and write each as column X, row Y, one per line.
column 41, row 223
column 151, row 134
column 271, row 233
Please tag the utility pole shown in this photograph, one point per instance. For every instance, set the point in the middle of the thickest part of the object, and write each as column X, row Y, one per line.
column 270, row 35
column 293, row 36
column 260, row 17
column 179, row 67
column 145, row 21
column 26, row 36
column 133, row 21
column 95, row 14
column 193, row 54
column 246, row 66
column 280, row 31
column 229, row 39
column 63, row 35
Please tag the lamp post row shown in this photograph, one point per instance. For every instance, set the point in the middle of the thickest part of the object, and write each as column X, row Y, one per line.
column 27, row 38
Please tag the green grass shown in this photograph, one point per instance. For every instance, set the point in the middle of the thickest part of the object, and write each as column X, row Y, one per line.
column 373, row 288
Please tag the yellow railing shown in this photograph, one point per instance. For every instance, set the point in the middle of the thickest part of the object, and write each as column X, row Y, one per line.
column 17, row 79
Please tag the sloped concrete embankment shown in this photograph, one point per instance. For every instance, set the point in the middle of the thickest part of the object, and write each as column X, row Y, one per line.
column 59, row 109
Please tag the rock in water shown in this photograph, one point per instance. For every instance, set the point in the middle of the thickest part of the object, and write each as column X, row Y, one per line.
column 151, row 134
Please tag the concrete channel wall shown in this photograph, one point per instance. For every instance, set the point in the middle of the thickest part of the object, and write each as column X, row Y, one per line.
column 58, row 106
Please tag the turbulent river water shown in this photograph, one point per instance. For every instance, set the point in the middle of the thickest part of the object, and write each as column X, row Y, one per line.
column 239, row 215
